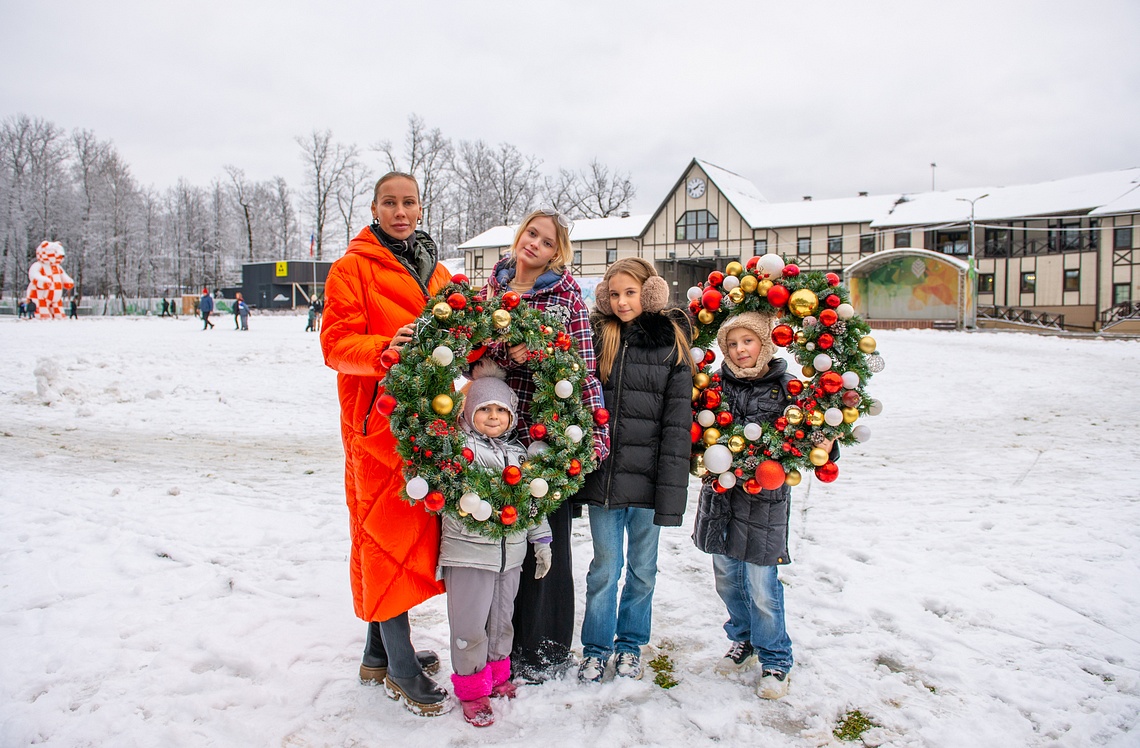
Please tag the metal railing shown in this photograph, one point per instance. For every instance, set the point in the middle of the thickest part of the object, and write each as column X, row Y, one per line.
column 1022, row 316
column 1122, row 311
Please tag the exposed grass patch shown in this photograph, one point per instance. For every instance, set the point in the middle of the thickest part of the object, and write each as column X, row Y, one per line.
column 662, row 666
column 853, row 725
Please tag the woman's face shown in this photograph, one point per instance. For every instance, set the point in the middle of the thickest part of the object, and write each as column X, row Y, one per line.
column 625, row 296
column 537, row 244
column 397, row 207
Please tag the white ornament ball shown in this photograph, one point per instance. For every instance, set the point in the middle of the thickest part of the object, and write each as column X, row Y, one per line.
column 833, row 416
column 752, row 431
column 537, row 448
column 539, row 487
column 483, row 511
column 417, row 488
column 810, row 346
column 845, row 311
column 727, row 479
column 706, row 418
column 698, row 354
column 718, row 458
column 730, row 282
column 574, row 434
column 809, row 321
column 822, row 362
column 563, row 388
column 469, row 502
column 850, row 380
column 443, row 355
column 861, row 433
column 875, row 407
column 770, row 266
column 694, row 293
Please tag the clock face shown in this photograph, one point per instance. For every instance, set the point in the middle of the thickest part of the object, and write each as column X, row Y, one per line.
column 695, row 187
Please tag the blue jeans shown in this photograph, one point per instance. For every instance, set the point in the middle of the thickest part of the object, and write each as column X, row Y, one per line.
column 755, row 601
column 610, row 627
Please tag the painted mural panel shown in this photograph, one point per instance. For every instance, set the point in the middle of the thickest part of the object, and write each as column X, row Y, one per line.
column 908, row 287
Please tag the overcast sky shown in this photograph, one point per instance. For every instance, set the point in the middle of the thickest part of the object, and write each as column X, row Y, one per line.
column 820, row 98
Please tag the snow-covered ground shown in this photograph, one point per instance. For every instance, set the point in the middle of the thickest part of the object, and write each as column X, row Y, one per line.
column 173, row 545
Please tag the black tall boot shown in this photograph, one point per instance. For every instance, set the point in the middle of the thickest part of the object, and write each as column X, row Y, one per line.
column 374, row 664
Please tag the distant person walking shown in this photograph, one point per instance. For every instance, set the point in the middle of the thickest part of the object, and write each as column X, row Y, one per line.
column 205, row 306
column 165, row 307
column 312, row 325
column 237, row 311
column 243, row 313
column 73, row 309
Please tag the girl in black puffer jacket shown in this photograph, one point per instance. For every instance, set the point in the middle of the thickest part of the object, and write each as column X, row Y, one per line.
column 646, row 369
column 747, row 534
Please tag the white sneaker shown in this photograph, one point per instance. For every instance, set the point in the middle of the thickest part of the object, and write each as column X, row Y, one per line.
column 591, row 670
column 628, row 665
column 739, row 657
column 773, row 685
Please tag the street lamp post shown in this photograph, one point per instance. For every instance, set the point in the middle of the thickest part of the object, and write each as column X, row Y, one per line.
column 972, row 312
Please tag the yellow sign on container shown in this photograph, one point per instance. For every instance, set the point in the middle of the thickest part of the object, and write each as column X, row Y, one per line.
column 282, row 269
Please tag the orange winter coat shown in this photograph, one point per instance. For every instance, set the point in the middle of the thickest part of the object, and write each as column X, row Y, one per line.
column 395, row 547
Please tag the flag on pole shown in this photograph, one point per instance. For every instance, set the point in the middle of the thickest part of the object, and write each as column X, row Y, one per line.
column 312, row 242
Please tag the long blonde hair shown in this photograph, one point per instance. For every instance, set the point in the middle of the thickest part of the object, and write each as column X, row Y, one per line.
column 609, row 325
column 563, row 251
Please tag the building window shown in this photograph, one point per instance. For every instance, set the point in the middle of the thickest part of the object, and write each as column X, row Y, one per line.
column 866, row 244
column 1029, row 282
column 1073, row 280
column 985, row 283
column 997, row 242
column 803, row 245
column 696, row 225
column 577, row 261
column 902, row 239
column 1121, row 293
column 1122, row 238
column 834, row 245
column 953, row 242
column 611, row 256
column 478, row 264
column 760, row 247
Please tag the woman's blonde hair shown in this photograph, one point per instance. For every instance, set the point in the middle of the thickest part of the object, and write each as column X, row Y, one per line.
column 609, row 325
column 563, row 252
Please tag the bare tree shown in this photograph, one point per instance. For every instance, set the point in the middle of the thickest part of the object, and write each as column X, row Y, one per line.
column 355, row 181
column 515, row 179
column 242, row 193
column 326, row 162
column 427, row 156
column 284, row 224
column 593, row 192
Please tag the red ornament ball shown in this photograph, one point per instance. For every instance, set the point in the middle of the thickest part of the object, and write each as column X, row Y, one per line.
column 832, row 300
column 709, row 357
column 512, row 475
column 457, row 301
column 781, row 423
column 832, row 279
column 752, row 486
column 828, row 317
column 509, row 515
column 778, row 295
column 799, row 434
column 601, row 416
column 538, row 432
column 825, row 341
column 791, row 270
column 695, row 432
column 389, row 358
column 783, row 335
column 468, row 454
column 510, row 300
column 770, row 474
column 831, row 382
column 751, row 264
column 723, row 418
column 434, row 501
column 386, row 404
column 460, row 278
column 575, row 468
column 711, row 299
column 718, row 487
column 827, row 472
column 711, row 399
column 795, row 387
column 716, row 278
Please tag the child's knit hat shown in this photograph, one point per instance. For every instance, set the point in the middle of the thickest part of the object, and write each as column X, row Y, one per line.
column 489, row 385
column 758, row 323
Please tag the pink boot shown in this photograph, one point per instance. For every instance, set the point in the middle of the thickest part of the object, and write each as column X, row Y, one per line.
column 501, row 685
column 473, row 692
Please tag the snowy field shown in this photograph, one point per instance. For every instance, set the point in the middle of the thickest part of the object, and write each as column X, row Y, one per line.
column 173, row 543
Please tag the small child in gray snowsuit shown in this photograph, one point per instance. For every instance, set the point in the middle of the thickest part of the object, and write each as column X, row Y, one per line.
column 481, row 573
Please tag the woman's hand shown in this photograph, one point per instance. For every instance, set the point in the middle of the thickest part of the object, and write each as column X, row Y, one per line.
column 518, row 353
column 403, row 335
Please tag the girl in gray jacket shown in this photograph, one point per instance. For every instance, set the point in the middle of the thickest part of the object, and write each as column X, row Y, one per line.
column 481, row 573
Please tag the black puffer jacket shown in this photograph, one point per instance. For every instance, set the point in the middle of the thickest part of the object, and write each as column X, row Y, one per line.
column 649, row 397
column 750, row 528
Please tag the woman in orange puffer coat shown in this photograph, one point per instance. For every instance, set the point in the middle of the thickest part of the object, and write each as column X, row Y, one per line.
column 372, row 296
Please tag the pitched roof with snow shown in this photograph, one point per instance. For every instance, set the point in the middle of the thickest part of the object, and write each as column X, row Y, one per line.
column 585, row 230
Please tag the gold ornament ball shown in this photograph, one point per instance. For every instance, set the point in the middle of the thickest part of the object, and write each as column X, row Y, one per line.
column 801, row 338
column 793, row 478
column 850, row 415
column 809, row 372
column 803, row 302
column 573, row 367
column 867, row 344
column 557, row 496
column 527, row 465
column 441, row 310
column 696, row 393
column 763, row 287
column 733, row 268
column 815, row 418
column 549, row 350
column 748, row 283
column 501, row 318
column 736, row 444
column 794, row 415
column 697, row 465
column 736, row 295
column 710, row 437
column 705, row 317
column 701, row 380
column 817, row 456
column 442, row 404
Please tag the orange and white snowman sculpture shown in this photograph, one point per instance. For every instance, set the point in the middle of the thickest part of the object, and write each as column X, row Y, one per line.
column 48, row 280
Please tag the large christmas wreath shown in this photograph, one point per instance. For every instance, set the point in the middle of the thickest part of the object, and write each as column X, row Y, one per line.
column 423, row 407
column 820, row 328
